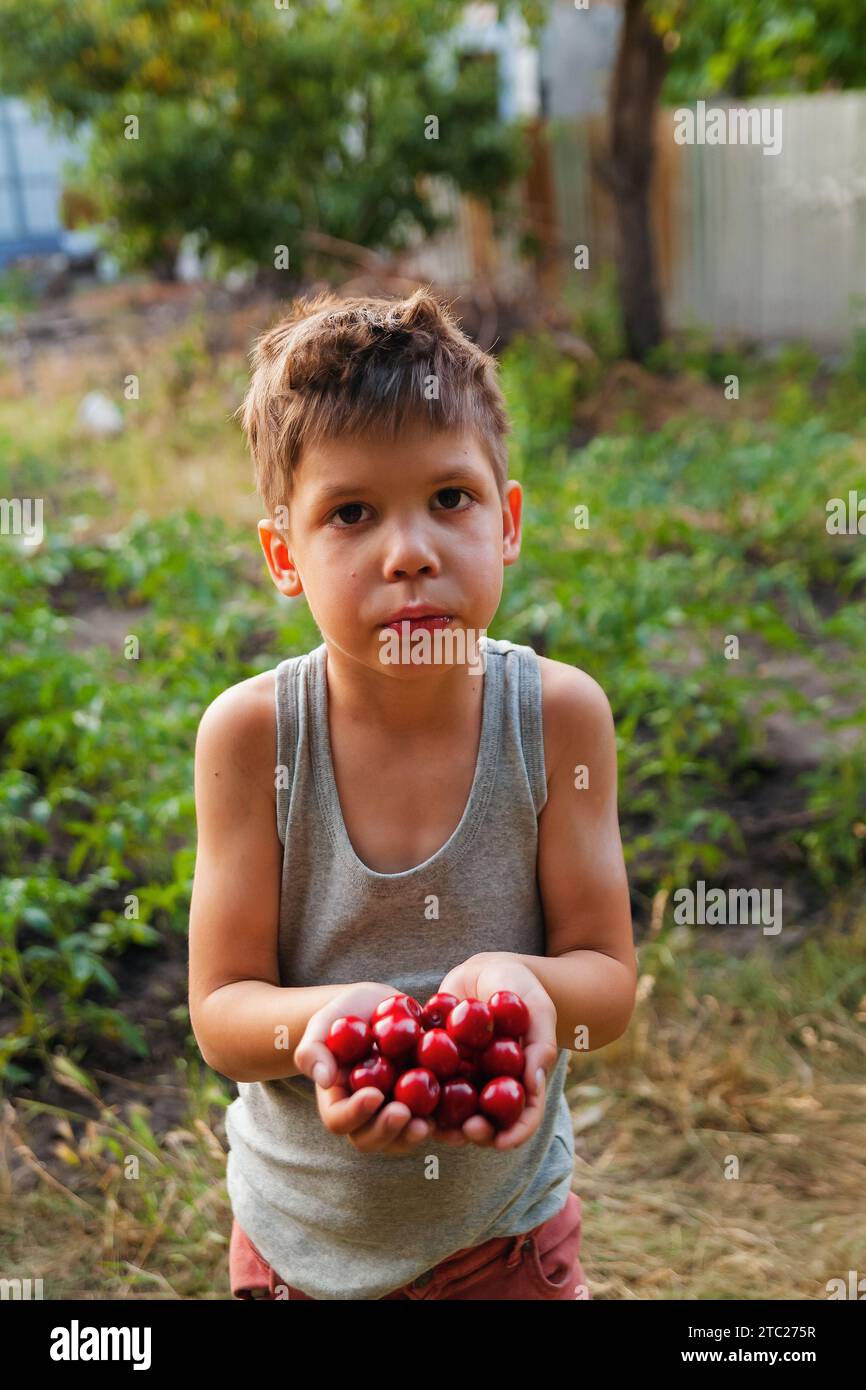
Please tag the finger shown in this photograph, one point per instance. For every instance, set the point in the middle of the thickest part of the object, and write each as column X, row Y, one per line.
column 457, row 982
column 526, row 1123
column 339, row 1083
column 542, row 1023
column 417, row 1130
column 344, row 1112
column 479, row 1130
column 312, row 1047
column 317, row 1062
column 537, row 1057
column 383, row 1128
column 406, row 1139
column 451, row 1136
column 519, row 1132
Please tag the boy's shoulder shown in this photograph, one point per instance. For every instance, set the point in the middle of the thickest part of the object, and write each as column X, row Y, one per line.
column 241, row 720
column 575, row 712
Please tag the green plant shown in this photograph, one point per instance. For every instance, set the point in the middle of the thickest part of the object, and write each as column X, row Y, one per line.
column 16, row 292
column 695, row 532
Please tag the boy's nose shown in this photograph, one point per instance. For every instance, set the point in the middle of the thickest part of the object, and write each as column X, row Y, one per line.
column 409, row 555
column 409, row 571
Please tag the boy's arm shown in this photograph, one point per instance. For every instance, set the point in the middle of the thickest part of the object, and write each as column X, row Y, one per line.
column 589, row 969
column 238, row 1010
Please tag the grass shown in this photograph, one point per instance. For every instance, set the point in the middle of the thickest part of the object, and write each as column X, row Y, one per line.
column 149, row 596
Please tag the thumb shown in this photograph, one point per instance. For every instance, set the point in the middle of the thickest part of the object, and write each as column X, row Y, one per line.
column 316, row 1061
column 452, row 984
column 540, row 1057
column 322, row 1073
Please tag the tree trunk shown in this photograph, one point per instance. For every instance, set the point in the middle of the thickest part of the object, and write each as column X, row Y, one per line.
column 635, row 86
column 163, row 264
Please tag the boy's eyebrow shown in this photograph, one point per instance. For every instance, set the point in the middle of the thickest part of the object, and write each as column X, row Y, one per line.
column 465, row 472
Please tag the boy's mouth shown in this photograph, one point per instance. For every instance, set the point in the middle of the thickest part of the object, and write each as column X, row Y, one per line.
column 428, row 622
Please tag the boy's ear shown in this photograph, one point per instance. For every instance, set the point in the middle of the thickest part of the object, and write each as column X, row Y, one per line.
column 279, row 560
column 512, row 507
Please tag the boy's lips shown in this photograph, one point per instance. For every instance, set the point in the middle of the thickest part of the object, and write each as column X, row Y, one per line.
column 430, row 621
column 418, row 615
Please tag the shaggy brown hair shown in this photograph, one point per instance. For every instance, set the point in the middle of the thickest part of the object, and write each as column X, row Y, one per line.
column 363, row 367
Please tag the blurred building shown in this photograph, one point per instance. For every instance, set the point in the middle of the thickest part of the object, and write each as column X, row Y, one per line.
column 32, row 157
column 565, row 75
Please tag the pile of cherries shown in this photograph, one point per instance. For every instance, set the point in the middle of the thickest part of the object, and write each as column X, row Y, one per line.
column 449, row 1060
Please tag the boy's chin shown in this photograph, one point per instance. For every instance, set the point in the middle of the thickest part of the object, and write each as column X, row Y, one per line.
column 424, row 650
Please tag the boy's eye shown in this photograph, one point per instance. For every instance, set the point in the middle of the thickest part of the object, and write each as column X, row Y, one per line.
column 345, row 517
column 346, row 507
column 453, row 496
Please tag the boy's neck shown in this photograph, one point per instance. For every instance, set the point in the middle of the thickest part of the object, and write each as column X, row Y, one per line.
column 443, row 697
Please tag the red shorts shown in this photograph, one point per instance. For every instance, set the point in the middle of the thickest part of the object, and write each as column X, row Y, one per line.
column 539, row 1264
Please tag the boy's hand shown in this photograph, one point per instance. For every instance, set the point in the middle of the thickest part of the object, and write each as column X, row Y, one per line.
column 392, row 1129
column 478, row 978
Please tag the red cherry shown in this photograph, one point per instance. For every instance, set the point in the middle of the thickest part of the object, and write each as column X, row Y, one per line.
column 470, row 1064
column 502, row 1101
column 349, row 1039
column 436, row 1010
column 438, row 1051
column 470, row 1022
column 510, row 1014
column 458, row 1100
column 419, row 1089
column 396, row 1034
column 503, row 1057
column 402, row 1004
column 373, row 1071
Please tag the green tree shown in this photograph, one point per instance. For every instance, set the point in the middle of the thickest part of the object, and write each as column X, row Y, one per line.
column 255, row 126
column 771, row 46
column 681, row 50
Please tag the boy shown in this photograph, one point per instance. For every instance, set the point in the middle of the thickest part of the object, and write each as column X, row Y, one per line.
column 371, row 824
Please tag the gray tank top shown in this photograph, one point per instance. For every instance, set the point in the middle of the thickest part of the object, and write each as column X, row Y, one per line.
column 333, row 1222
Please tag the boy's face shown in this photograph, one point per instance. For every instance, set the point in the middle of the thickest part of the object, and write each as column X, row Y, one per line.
column 374, row 526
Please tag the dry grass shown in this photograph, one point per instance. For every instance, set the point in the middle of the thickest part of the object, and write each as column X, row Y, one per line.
column 721, row 1146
